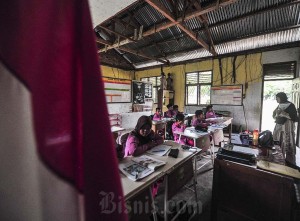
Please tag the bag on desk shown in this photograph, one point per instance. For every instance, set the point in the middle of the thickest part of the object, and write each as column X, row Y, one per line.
column 265, row 139
column 174, row 153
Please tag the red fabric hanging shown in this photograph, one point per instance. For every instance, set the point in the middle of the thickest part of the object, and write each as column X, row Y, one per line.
column 50, row 46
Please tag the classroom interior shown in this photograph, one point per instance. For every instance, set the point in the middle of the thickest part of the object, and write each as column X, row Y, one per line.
column 233, row 54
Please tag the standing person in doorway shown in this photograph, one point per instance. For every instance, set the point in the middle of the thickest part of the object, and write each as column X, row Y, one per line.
column 285, row 116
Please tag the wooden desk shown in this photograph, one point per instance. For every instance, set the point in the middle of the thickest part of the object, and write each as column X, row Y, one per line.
column 242, row 192
column 191, row 133
column 133, row 189
column 130, row 188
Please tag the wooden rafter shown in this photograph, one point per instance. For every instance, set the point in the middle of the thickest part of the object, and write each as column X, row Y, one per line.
column 162, row 9
column 279, row 6
column 203, row 19
column 116, row 33
column 164, row 25
column 131, row 51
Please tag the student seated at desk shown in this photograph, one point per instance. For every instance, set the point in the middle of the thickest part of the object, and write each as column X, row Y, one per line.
column 157, row 115
column 176, row 111
column 179, row 126
column 199, row 120
column 169, row 113
column 209, row 112
column 142, row 138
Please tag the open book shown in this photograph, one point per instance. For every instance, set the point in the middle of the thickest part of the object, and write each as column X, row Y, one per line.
column 140, row 167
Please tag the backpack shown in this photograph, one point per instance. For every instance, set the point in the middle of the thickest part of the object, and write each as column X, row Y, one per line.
column 265, row 139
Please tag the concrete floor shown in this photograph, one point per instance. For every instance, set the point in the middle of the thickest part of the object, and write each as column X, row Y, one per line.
column 201, row 208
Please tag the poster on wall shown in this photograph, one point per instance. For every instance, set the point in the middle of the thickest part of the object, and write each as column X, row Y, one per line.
column 117, row 90
column 140, row 91
column 227, row 95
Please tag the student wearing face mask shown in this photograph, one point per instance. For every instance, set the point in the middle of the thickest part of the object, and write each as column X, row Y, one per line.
column 142, row 138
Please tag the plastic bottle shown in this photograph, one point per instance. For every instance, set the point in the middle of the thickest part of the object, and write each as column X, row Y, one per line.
column 255, row 137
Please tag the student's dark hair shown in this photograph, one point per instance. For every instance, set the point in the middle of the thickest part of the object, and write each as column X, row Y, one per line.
column 208, row 107
column 179, row 117
column 169, row 105
column 158, row 108
column 282, row 96
column 198, row 113
column 143, row 120
column 175, row 106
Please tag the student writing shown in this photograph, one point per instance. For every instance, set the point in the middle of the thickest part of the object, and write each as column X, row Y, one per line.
column 142, row 138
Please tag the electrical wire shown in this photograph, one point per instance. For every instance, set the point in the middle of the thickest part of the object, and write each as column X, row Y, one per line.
column 245, row 116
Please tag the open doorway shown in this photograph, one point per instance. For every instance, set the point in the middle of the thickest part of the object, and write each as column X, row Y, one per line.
column 270, row 89
column 278, row 77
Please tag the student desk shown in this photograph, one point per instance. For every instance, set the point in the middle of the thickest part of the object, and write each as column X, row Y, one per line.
column 221, row 123
column 174, row 166
column 243, row 192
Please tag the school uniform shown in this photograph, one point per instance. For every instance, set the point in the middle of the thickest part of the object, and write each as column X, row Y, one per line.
column 176, row 127
column 156, row 116
column 169, row 113
column 199, row 122
column 137, row 145
column 210, row 114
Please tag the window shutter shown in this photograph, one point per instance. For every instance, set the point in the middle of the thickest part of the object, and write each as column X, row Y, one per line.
column 191, row 78
column 280, row 71
column 205, row 77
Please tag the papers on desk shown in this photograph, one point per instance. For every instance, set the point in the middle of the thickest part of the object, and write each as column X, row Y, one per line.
column 218, row 126
column 236, row 139
column 192, row 131
column 140, row 167
column 245, row 150
column 160, row 150
column 277, row 168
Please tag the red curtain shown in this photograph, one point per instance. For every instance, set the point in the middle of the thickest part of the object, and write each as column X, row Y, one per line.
column 50, row 46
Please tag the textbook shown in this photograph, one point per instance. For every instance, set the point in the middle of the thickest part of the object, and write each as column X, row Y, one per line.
column 140, row 167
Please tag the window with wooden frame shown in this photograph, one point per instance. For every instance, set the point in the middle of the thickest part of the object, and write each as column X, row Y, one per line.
column 197, row 87
column 156, row 85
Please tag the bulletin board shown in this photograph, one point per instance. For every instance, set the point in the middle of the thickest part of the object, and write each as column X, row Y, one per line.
column 227, row 95
column 140, row 91
column 117, row 90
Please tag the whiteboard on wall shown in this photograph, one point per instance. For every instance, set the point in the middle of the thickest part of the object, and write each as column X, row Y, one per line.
column 227, row 95
column 117, row 90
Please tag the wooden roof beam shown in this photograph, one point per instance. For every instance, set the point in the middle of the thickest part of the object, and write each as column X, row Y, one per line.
column 203, row 19
column 131, row 51
column 162, row 26
column 116, row 33
column 162, row 9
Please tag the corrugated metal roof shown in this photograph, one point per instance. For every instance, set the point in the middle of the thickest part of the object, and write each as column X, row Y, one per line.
column 257, row 24
column 235, row 46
